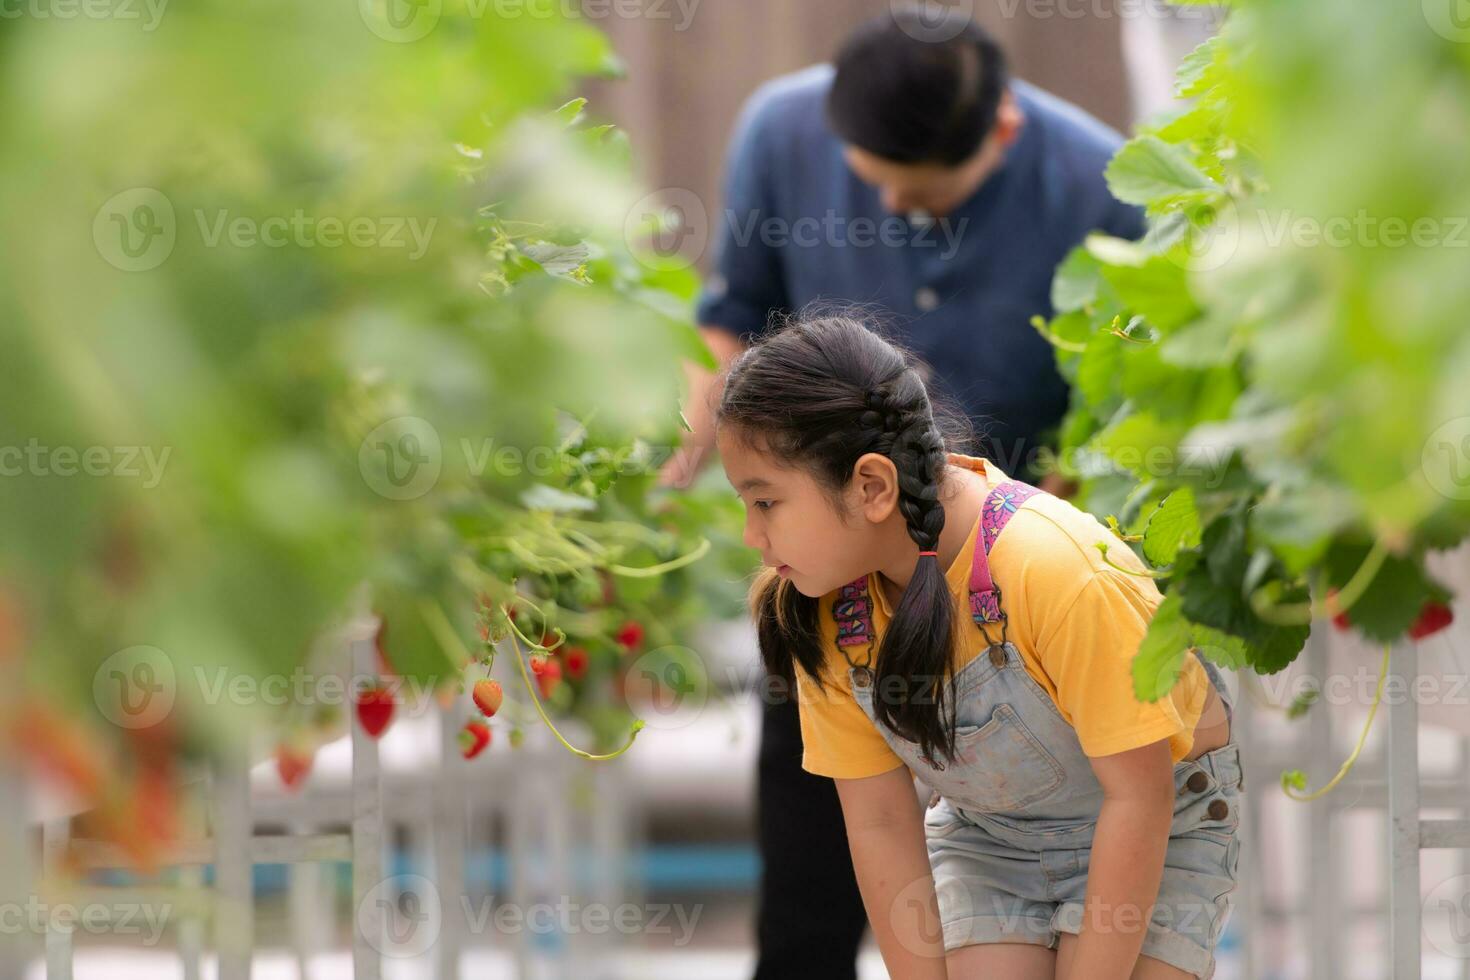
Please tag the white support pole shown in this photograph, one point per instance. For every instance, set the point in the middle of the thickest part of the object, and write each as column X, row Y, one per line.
column 304, row 898
column 234, row 911
column 450, row 834
column 191, row 925
column 367, row 829
column 1324, row 908
column 59, row 950
column 1252, row 904
column 1404, row 926
column 17, row 864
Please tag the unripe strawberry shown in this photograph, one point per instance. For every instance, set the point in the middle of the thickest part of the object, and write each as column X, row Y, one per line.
column 548, row 675
column 487, row 696
column 473, row 738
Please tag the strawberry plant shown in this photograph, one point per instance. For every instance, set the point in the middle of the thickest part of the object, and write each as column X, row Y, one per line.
column 1268, row 388
column 296, row 336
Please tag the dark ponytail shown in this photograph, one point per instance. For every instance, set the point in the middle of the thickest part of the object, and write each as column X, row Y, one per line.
column 819, row 393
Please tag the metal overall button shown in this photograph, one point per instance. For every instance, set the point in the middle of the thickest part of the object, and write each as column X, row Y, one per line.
column 1218, row 810
column 998, row 655
column 1197, row 782
column 862, row 677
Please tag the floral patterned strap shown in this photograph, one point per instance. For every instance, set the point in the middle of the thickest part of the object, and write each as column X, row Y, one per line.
column 853, row 611
column 1001, row 504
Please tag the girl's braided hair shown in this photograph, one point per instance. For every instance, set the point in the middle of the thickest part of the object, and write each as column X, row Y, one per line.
column 819, row 392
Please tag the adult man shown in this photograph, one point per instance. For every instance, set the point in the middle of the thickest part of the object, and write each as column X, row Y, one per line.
column 912, row 176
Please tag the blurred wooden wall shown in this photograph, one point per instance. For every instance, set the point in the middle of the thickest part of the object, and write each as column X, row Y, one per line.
column 685, row 86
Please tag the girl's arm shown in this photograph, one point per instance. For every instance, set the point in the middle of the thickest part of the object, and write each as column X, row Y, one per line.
column 1127, row 863
column 885, row 831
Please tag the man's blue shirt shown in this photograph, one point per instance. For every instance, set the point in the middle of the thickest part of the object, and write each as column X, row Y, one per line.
column 797, row 226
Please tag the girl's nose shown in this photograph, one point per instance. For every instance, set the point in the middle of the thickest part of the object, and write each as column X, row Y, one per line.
column 753, row 538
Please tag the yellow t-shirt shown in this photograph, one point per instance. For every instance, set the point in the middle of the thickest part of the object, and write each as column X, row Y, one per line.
column 1076, row 622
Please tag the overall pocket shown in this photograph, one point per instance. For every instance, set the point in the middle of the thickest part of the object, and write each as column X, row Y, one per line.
column 999, row 766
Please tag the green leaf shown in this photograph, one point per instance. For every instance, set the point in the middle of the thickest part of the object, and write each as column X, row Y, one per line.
column 571, row 111
column 1174, row 525
column 1076, row 281
column 1194, row 73
column 1161, row 655
column 560, row 261
column 1149, row 171
column 539, row 496
column 1392, row 602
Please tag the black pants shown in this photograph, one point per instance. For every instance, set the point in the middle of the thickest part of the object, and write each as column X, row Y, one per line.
column 810, row 917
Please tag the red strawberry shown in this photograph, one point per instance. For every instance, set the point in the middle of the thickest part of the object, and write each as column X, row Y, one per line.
column 577, row 661
column 473, row 738
column 292, row 764
column 62, row 749
column 548, row 674
column 375, row 709
column 631, row 635
column 487, row 696
column 1433, row 617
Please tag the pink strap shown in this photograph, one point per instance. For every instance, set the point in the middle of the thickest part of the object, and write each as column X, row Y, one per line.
column 1001, row 504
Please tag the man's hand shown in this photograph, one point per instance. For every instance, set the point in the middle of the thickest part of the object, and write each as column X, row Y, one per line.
column 704, row 391
column 682, row 467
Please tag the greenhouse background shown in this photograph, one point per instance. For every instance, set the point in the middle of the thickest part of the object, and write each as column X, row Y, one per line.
column 344, row 345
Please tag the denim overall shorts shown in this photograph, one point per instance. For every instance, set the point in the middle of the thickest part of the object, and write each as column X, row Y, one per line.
column 1010, row 829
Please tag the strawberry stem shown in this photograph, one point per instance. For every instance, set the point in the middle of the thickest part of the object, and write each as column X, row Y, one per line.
column 531, row 690
column 1263, row 603
column 668, row 566
column 1357, row 749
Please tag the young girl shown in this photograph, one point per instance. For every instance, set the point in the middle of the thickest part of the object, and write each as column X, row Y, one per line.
column 943, row 620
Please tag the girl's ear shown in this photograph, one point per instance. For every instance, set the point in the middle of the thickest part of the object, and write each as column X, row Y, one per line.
column 875, row 486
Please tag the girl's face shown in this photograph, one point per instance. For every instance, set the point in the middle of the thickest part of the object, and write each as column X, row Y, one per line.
column 793, row 522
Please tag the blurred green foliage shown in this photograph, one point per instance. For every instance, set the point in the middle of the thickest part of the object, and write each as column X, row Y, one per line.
column 360, row 289
column 1269, row 390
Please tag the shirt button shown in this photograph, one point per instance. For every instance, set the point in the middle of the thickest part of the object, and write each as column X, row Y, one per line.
column 1197, row 782
column 1218, row 810
column 926, row 299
